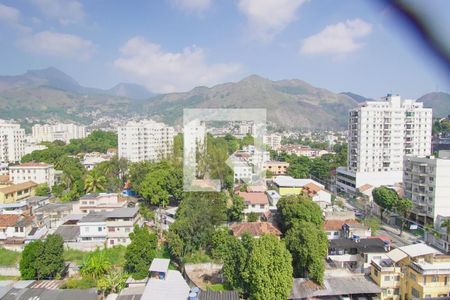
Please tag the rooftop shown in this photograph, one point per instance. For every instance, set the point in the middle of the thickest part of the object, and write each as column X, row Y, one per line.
column 18, row 187
column 220, row 295
column 159, row 265
column 123, row 212
column 8, row 220
column 364, row 245
column 288, row 181
column 173, row 287
column 50, row 294
column 68, row 232
column 31, row 165
column 254, row 197
column 336, row 225
column 255, row 229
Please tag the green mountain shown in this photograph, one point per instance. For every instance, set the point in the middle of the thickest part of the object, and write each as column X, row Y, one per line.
column 439, row 101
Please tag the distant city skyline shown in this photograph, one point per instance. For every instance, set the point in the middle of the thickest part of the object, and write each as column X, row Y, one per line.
column 176, row 45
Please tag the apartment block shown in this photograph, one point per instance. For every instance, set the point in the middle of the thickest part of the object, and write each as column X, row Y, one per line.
column 380, row 133
column 60, row 131
column 36, row 172
column 12, row 142
column 412, row 272
column 145, row 140
column 426, row 182
column 272, row 140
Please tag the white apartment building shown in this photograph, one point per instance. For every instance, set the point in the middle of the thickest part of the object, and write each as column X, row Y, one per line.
column 101, row 202
column 145, row 140
column 36, row 172
column 60, row 131
column 109, row 228
column 272, row 140
column 426, row 181
column 380, row 133
column 12, row 142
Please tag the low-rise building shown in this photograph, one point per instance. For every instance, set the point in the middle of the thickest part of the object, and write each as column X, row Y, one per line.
column 255, row 229
column 256, row 202
column 301, row 150
column 276, row 167
column 416, row 271
column 31, row 171
column 318, row 194
column 335, row 228
column 112, row 228
column 287, row 185
column 17, row 192
column 99, row 202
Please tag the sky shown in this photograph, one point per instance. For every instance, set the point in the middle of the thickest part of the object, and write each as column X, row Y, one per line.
column 176, row 45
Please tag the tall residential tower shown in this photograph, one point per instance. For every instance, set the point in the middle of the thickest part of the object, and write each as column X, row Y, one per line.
column 380, row 133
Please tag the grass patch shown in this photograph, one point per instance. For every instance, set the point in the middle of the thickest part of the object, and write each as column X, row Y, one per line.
column 79, row 283
column 115, row 254
column 197, row 257
column 8, row 257
column 9, row 277
column 217, row 287
column 163, row 252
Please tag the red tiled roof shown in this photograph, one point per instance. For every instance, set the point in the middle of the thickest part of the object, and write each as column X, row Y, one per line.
column 311, row 189
column 255, row 229
column 365, row 187
column 18, row 187
column 256, row 188
column 254, row 197
column 8, row 220
column 337, row 224
column 32, row 164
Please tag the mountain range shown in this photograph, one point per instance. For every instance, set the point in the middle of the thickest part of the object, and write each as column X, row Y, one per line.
column 50, row 93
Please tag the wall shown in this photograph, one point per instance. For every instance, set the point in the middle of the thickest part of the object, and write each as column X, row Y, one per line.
column 9, row 271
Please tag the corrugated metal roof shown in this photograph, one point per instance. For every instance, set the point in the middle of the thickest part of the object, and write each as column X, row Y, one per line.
column 173, row 287
column 219, row 295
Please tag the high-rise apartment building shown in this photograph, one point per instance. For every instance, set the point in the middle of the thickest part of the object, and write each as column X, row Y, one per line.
column 60, row 131
column 272, row 140
column 145, row 140
column 426, row 181
column 380, row 133
column 12, row 142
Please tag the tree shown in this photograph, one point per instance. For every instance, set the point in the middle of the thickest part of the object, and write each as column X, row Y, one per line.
column 268, row 272
column 30, row 255
column 308, row 245
column 296, row 208
column 113, row 282
column 96, row 265
column 50, row 262
column 236, row 209
column 403, row 208
column 385, row 197
column 373, row 223
column 252, row 217
column 198, row 216
column 299, row 166
column 140, row 252
column 94, row 182
column 42, row 190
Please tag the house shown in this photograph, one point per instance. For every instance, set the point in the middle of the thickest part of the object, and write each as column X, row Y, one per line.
column 99, row 202
column 52, row 215
column 255, row 202
column 287, row 185
column 4, row 180
column 25, row 205
column 334, row 228
column 276, row 167
column 32, row 171
column 318, row 194
column 165, row 284
column 17, row 192
column 274, row 197
column 255, row 229
column 356, row 254
column 112, row 228
column 90, row 160
column 18, row 230
column 415, row 271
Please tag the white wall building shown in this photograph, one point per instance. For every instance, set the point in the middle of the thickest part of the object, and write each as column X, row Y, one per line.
column 60, row 131
column 380, row 133
column 36, row 172
column 91, row 203
column 12, row 142
column 145, row 140
column 272, row 140
column 426, row 181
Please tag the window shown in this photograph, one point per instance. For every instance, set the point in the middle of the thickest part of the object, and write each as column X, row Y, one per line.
column 445, row 280
column 387, row 278
column 415, row 293
column 412, row 276
column 397, row 278
column 99, row 229
column 397, row 291
column 336, row 233
column 434, row 278
column 375, row 272
column 111, row 242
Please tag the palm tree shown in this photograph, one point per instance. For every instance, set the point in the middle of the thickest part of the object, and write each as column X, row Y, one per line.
column 96, row 265
column 94, row 182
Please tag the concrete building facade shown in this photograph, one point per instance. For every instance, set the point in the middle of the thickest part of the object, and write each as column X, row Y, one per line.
column 12, row 142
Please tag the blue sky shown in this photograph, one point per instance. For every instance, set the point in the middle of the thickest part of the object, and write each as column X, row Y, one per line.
column 175, row 45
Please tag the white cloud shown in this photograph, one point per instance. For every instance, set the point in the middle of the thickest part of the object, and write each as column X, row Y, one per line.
column 192, row 5
column 65, row 11
column 340, row 38
column 11, row 16
column 58, row 44
column 267, row 18
column 163, row 72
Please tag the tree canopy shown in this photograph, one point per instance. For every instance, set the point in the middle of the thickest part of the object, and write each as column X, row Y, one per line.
column 385, row 197
column 296, row 208
column 140, row 252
